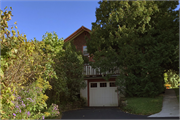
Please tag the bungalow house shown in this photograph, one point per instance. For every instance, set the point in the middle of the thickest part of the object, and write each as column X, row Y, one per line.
column 98, row 91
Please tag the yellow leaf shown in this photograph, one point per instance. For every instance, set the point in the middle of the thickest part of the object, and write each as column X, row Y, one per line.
column 11, row 8
column 5, row 8
column 15, row 22
column 14, row 88
column 9, row 89
column 22, row 87
column 45, row 97
column 7, row 101
column 15, row 50
column 1, row 73
column 9, row 16
column 12, row 97
column 2, row 112
column 1, row 12
column 46, row 114
column 16, row 27
column 18, row 32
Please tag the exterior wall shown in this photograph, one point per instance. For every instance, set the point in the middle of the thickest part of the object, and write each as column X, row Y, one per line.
column 83, row 93
column 79, row 41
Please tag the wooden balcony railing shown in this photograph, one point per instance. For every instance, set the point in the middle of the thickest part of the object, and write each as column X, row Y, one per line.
column 88, row 70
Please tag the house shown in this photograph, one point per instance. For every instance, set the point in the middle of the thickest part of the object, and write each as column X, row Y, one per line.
column 98, row 92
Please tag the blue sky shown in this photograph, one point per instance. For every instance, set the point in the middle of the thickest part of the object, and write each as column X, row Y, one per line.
column 35, row 18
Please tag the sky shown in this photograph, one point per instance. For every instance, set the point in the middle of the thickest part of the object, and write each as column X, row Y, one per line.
column 36, row 17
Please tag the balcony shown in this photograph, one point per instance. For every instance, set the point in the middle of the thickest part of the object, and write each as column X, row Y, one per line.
column 89, row 71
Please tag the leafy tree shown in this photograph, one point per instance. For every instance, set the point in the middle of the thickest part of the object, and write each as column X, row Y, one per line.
column 52, row 46
column 171, row 78
column 71, row 62
column 141, row 38
column 68, row 64
column 23, row 65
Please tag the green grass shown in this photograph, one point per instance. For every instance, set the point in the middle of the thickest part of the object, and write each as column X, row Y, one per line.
column 143, row 105
column 177, row 92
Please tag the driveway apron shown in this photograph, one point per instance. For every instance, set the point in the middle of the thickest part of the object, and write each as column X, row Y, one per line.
column 103, row 113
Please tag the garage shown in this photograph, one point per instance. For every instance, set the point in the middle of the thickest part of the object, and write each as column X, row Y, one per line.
column 103, row 94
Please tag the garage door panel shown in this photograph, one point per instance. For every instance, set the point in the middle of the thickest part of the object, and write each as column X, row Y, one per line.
column 93, row 93
column 104, row 95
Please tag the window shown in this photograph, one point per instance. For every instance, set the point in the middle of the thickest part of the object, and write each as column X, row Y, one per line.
column 102, row 84
column 112, row 84
column 85, row 50
column 93, row 85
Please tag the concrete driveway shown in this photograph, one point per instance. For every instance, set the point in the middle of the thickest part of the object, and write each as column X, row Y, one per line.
column 170, row 106
column 104, row 113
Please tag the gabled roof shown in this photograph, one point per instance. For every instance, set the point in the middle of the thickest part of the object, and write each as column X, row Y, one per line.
column 76, row 33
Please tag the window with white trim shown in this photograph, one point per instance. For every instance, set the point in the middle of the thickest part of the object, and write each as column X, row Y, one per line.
column 85, row 50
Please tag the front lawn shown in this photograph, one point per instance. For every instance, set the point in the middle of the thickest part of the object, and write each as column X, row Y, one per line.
column 143, row 105
column 177, row 92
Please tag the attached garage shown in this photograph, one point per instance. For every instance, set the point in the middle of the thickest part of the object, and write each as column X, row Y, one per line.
column 100, row 93
column 103, row 94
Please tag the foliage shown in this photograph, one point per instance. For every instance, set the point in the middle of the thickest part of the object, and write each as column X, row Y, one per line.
column 68, row 66
column 52, row 44
column 73, row 67
column 171, row 78
column 141, row 38
column 30, row 101
column 22, row 62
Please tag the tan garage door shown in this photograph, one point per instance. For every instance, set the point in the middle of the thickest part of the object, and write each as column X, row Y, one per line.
column 103, row 94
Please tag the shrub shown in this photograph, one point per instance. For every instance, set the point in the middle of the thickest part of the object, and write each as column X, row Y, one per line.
column 23, row 74
column 30, row 102
column 172, row 78
column 68, row 66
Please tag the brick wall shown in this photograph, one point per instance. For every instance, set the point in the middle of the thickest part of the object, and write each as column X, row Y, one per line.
column 79, row 41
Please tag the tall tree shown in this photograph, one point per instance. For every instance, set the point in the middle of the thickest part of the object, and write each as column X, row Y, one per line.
column 23, row 67
column 68, row 65
column 141, row 38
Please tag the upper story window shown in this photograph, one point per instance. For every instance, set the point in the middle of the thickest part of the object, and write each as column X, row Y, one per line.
column 85, row 50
